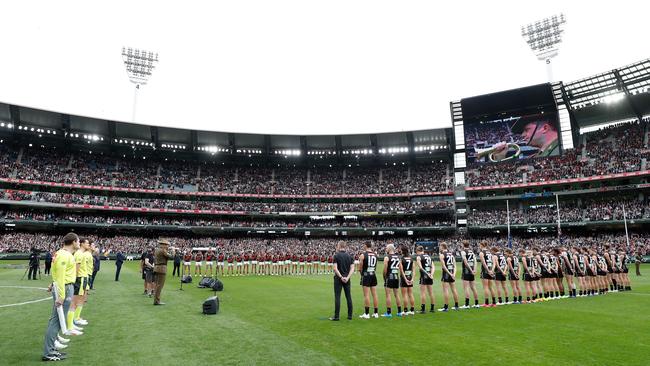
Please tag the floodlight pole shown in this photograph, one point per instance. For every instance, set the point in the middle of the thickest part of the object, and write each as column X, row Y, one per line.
column 139, row 65
column 543, row 38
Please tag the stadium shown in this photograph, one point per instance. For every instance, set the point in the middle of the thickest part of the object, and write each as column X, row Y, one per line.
column 550, row 177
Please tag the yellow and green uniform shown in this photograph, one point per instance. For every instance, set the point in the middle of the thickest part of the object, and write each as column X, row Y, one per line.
column 63, row 271
column 82, row 274
column 88, row 262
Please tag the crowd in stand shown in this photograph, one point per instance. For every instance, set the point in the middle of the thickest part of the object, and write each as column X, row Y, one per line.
column 243, row 222
column 615, row 149
column 607, row 209
column 52, row 165
column 22, row 242
column 253, row 206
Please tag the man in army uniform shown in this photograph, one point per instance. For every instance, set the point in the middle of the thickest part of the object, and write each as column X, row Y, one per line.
column 537, row 131
column 161, row 256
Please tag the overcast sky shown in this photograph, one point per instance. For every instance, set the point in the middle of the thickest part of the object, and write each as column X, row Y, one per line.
column 298, row 67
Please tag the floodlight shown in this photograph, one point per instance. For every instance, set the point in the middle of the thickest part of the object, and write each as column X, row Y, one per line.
column 543, row 38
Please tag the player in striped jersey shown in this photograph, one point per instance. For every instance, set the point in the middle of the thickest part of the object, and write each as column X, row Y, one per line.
column 623, row 275
column 568, row 270
column 392, row 265
column 427, row 270
column 368, row 269
column 513, row 275
column 448, row 276
column 601, row 272
column 487, row 274
column 556, row 280
column 501, row 275
column 580, row 263
column 468, row 259
column 528, row 263
column 406, row 281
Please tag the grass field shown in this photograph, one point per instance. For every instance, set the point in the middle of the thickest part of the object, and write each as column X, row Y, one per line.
column 281, row 321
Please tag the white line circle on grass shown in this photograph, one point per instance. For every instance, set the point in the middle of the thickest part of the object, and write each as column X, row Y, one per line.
column 26, row 302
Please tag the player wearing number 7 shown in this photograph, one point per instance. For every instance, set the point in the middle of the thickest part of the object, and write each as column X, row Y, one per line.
column 406, row 281
column 368, row 268
column 448, row 276
column 427, row 269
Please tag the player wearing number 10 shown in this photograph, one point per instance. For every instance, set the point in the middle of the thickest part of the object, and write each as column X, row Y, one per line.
column 368, row 268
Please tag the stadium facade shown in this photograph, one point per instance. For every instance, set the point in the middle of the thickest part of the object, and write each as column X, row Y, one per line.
column 60, row 172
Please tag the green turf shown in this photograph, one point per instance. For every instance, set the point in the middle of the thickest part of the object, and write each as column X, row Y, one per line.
column 280, row 320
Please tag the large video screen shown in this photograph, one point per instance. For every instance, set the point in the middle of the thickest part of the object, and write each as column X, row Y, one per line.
column 512, row 125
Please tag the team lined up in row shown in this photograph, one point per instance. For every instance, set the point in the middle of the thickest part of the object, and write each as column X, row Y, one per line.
column 544, row 271
column 251, row 263
column 72, row 267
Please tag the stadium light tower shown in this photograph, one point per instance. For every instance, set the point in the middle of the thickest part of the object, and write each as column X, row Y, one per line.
column 543, row 38
column 139, row 65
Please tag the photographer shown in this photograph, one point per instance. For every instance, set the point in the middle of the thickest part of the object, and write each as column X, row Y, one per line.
column 33, row 264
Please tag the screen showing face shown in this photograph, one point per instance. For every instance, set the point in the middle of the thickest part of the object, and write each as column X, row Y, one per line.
column 489, row 139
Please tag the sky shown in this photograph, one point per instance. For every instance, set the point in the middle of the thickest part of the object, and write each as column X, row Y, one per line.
column 298, row 66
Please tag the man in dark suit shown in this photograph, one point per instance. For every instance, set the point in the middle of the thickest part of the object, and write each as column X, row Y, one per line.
column 161, row 256
column 96, row 264
column 343, row 270
column 177, row 265
column 48, row 262
column 119, row 259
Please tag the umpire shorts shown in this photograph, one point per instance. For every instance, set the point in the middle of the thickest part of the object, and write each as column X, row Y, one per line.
column 80, row 286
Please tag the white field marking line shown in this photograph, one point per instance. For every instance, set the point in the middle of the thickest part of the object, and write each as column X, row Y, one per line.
column 26, row 302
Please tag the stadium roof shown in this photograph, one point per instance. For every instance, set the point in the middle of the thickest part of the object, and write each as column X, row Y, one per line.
column 296, row 67
column 40, row 122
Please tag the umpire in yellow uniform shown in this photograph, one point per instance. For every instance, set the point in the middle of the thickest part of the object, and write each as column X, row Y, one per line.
column 161, row 256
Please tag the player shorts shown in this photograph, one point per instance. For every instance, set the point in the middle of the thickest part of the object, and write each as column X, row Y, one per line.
column 198, row 264
column 402, row 282
column 186, row 263
column 468, row 276
column 254, row 262
column 369, row 280
column 209, row 263
column 391, row 283
column 601, row 273
column 229, row 264
column 222, row 263
column 625, row 270
column 528, row 277
column 356, row 261
column 447, row 278
column 486, row 276
column 568, row 272
column 610, row 269
column 500, row 276
column 546, row 274
column 512, row 276
column 302, row 263
column 426, row 280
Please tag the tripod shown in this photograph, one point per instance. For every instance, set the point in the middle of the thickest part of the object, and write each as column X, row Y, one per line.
column 182, row 275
